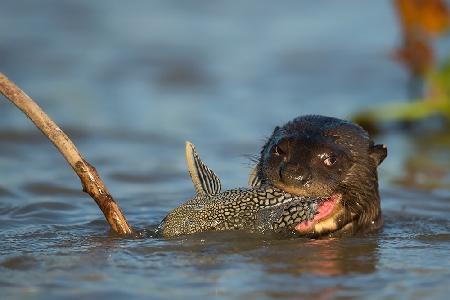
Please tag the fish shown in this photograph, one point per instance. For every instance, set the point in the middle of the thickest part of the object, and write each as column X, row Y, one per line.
column 260, row 208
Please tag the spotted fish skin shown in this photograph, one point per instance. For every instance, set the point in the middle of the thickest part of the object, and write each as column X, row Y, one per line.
column 262, row 209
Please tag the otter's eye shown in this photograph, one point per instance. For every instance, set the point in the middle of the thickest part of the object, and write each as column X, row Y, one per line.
column 281, row 149
column 330, row 161
column 277, row 151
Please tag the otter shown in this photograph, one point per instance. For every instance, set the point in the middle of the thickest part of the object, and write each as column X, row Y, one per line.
column 326, row 157
column 316, row 175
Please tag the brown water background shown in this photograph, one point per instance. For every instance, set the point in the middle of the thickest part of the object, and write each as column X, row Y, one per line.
column 131, row 81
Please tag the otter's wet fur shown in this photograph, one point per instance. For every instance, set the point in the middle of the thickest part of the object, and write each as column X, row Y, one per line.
column 318, row 156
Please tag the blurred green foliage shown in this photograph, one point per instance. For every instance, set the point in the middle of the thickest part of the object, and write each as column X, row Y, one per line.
column 420, row 22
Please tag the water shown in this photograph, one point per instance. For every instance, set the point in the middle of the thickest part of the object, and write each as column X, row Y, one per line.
column 130, row 82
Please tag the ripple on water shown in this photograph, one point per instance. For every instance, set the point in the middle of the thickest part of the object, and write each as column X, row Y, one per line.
column 4, row 192
column 50, row 189
column 33, row 136
column 22, row 262
column 157, row 176
column 435, row 238
column 44, row 212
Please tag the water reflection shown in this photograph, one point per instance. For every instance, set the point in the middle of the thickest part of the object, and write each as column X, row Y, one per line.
column 427, row 167
column 327, row 257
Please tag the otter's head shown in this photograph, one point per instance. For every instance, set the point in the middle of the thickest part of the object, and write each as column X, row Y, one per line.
column 329, row 158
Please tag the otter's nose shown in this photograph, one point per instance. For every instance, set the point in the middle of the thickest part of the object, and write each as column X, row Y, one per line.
column 295, row 174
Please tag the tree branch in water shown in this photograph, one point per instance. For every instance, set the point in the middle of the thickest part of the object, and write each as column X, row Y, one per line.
column 90, row 180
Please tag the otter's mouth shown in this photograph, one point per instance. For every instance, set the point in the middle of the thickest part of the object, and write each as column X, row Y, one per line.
column 325, row 219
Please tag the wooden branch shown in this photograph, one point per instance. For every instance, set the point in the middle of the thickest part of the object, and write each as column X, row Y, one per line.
column 90, row 180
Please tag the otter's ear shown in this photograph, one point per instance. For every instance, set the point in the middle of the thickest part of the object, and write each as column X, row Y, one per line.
column 276, row 129
column 378, row 153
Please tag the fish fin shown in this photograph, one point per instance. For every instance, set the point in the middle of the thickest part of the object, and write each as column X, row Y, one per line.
column 254, row 180
column 266, row 216
column 204, row 179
